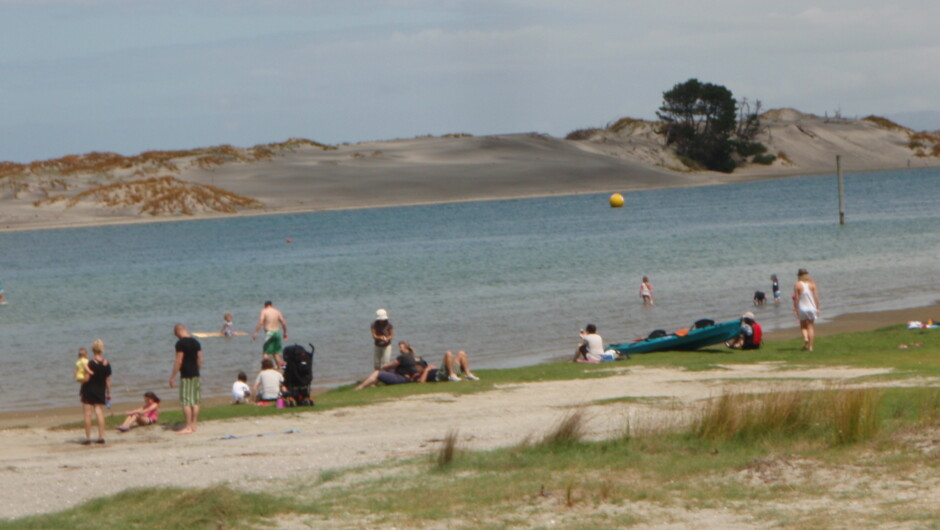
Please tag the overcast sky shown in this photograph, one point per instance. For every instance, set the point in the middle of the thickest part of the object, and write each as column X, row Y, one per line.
column 132, row 75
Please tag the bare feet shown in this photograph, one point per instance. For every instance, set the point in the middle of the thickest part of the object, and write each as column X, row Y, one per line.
column 186, row 430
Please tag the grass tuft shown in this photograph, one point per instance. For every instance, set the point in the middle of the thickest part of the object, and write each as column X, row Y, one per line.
column 569, row 431
column 448, row 450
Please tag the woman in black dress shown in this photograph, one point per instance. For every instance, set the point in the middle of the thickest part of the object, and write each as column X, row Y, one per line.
column 96, row 391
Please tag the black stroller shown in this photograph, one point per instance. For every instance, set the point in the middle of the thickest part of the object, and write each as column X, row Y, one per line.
column 298, row 374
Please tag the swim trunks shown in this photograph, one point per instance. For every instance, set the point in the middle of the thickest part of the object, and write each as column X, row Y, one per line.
column 272, row 343
column 190, row 391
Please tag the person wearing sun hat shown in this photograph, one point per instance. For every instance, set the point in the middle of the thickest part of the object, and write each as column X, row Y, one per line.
column 382, row 335
column 750, row 336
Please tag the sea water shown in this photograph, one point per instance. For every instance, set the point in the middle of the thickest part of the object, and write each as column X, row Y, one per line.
column 509, row 281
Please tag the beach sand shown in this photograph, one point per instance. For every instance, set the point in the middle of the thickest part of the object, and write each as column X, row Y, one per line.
column 253, row 452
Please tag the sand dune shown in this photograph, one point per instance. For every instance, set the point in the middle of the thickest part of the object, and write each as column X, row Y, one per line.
column 301, row 175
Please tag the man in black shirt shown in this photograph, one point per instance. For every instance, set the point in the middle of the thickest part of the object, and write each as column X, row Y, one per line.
column 188, row 361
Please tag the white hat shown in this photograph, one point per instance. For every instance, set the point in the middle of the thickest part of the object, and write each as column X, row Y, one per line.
column 748, row 315
column 381, row 314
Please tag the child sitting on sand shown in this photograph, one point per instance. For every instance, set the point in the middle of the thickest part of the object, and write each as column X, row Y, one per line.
column 146, row 415
column 82, row 372
column 241, row 393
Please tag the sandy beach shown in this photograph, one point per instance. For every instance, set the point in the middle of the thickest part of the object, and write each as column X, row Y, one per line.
column 250, row 452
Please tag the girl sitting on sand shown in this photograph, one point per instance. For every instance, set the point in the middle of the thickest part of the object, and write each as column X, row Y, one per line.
column 146, row 415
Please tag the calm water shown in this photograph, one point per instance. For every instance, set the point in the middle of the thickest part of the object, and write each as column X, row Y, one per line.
column 510, row 281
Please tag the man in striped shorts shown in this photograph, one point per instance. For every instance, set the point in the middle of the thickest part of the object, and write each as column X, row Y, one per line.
column 187, row 363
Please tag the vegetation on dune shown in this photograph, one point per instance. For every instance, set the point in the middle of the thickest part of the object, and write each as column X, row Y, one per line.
column 582, row 134
column 153, row 161
column 885, row 123
column 160, row 196
column 624, row 123
column 704, row 123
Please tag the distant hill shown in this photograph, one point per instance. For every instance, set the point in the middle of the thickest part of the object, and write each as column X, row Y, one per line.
column 924, row 120
column 800, row 143
column 303, row 175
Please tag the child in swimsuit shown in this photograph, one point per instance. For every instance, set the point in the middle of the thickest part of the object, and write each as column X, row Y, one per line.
column 146, row 415
column 82, row 372
column 227, row 327
column 646, row 291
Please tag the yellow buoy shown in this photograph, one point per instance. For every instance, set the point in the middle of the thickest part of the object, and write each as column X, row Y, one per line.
column 616, row 200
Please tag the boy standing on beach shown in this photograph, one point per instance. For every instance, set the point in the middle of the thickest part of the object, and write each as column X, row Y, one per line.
column 273, row 322
column 188, row 361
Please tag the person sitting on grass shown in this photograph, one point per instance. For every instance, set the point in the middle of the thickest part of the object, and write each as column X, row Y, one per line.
column 146, row 415
column 404, row 369
column 241, row 392
column 433, row 374
column 591, row 348
column 750, row 336
column 270, row 381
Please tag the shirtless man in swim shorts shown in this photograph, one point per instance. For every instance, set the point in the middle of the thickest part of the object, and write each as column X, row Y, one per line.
column 273, row 322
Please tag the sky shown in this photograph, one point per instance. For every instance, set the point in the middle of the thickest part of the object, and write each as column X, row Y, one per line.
column 134, row 75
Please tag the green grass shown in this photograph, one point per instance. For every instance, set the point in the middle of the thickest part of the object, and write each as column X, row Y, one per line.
column 170, row 508
column 730, row 457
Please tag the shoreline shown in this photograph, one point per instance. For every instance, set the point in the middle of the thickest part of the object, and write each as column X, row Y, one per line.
column 843, row 323
column 707, row 178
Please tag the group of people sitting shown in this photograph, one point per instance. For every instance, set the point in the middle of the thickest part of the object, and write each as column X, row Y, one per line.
column 410, row 368
column 292, row 385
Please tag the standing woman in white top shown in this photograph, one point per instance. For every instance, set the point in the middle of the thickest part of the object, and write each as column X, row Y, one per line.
column 806, row 306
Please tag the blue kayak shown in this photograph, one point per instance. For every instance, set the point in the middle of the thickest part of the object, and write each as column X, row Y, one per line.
column 695, row 338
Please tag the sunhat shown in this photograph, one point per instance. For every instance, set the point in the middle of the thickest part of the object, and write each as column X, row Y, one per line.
column 381, row 314
column 748, row 315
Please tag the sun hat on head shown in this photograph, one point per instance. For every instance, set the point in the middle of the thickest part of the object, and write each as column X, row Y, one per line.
column 381, row 314
column 748, row 315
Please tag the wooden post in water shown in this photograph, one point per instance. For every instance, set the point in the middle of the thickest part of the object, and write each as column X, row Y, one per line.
column 841, row 190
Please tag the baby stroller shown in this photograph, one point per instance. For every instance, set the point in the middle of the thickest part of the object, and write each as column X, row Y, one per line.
column 298, row 374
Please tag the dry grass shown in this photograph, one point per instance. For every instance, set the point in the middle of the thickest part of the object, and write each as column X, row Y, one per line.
column 448, row 449
column 844, row 416
column 570, row 430
column 924, row 144
column 149, row 162
column 625, row 123
column 582, row 134
column 885, row 123
column 161, row 196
